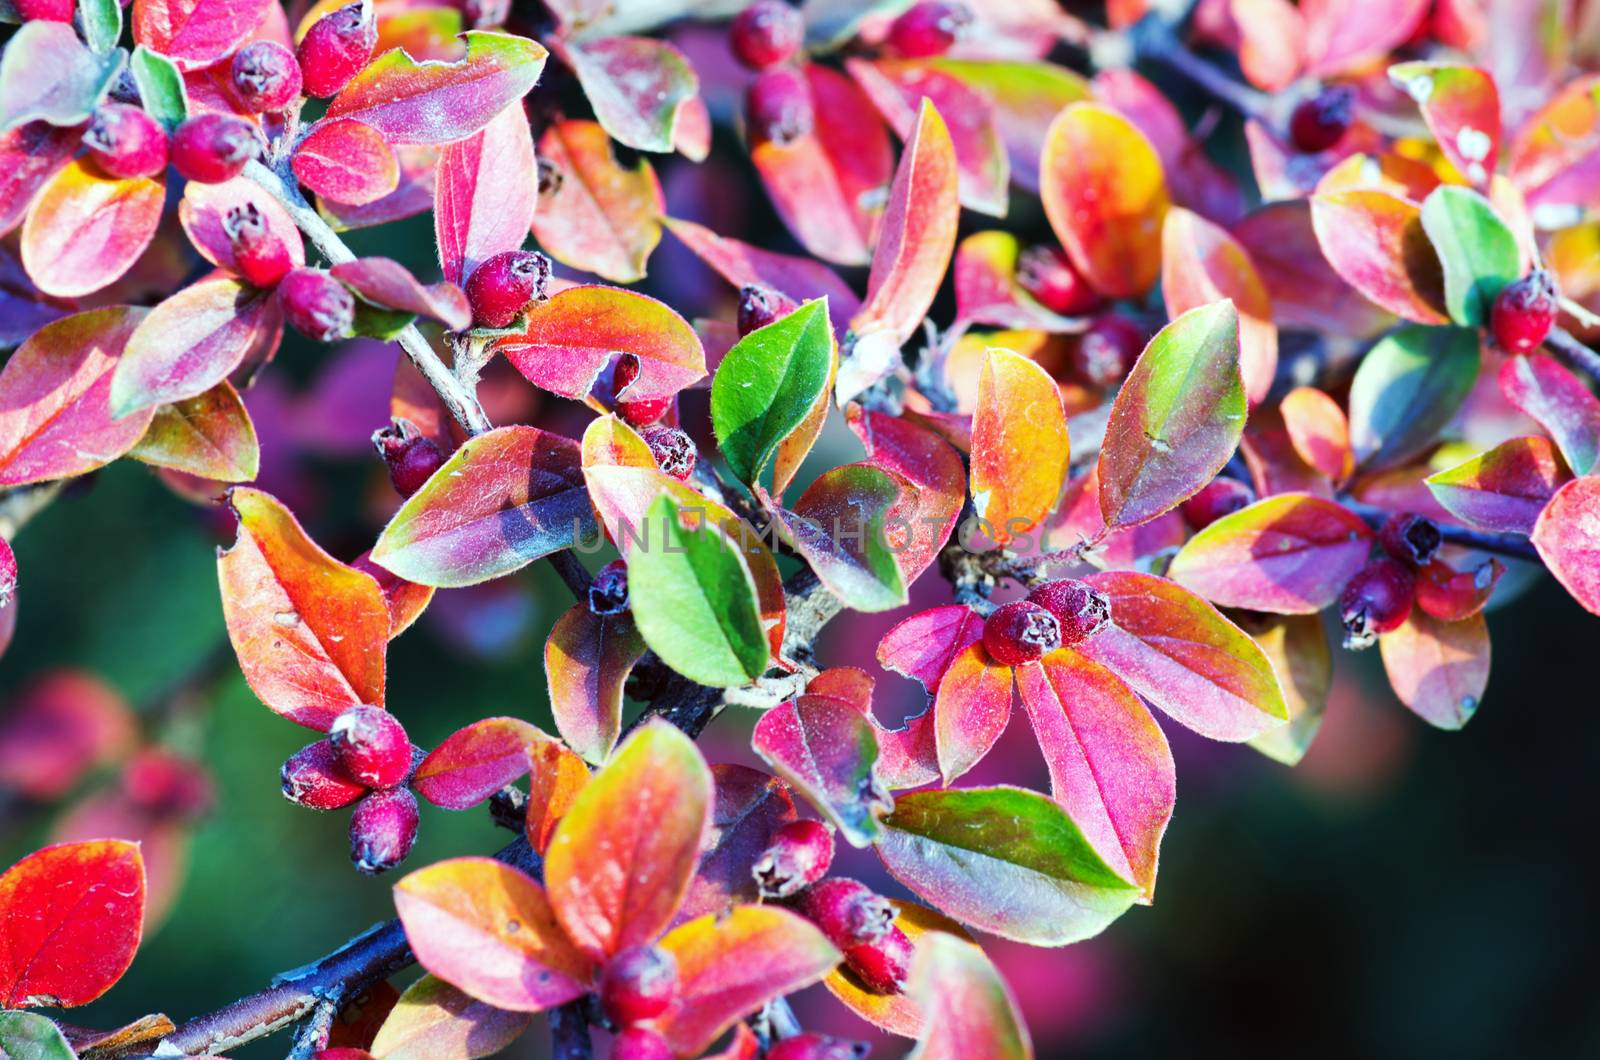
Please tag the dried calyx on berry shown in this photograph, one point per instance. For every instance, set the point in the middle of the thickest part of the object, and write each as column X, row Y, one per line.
column 1046, row 274
column 766, row 33
column 125, row 142
column 258, row 254
column 673, row 449
column 266, row 76
column 1081, row 610
column 318, row 306
column 608, row 591
column 1376, row 601
column 372, row 746
column 638, row 984
column 760, row 305
column 335, row 49
column 883, row 964
column 212, row 147
column 1219, row 497
column 1106, row 351
column 1524, row 312
column 1320, row 122
column 798, row 855
column 314, row 777
column 817, row 1047
column 1020, row 632
column 1412, row 539
column 411, row 457
column 382, row 830
column 501, row 286
column 847, row 911
column 777, row 107
column 929, row 28
column 638, row 412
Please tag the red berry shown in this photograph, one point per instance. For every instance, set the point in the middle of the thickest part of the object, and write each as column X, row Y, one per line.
column 1046, row 274
column 164, row 785
column 760, row 305
column 258, row 254
column 1412, row 539
column 608, row 592
column 882, row 964
column 640, row 1043
column 816, row 1047
column 766, row 33
column 1020, row 632
column 382, row 829
column 335, row 49
column 8, row 572
column 847, row 911
column 1219, row 497
column 777, row 106
column 928, row 29
column 313, row 777
column 266, row 76
column 412, row 458
column 1106, row 351
column 318, row 306
column 501, row 286
column 639, row 413
column 125, row 142
column 797, row 856
column 1078, row 607
column 1377, row 600
column 212, row 147
column 673, row 449
column 1524, row 312
column 373, row 746
column 639, row 983
column 1320, row 122
column 44, row 10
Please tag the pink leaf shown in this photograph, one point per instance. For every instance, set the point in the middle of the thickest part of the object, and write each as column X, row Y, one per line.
column 970, row 711
column 347, row 162
column 587, row 660
column 1567, row 536
column 475, row 762
column 1559, row 403
column 927, row 513
column 923, row 646
column 196, row 33
column 386, row 283
column 484, row 194
column 741, row 264
column 190, row 343
column 1438, row 669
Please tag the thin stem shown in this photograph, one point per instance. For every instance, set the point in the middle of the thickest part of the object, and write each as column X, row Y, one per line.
column 1159, row 44
column 569, row 1032
column 1574, row 352
column 1511, row 546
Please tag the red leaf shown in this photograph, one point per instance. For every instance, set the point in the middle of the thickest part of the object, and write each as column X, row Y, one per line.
column 406, row 600
column 196, row 33
column 1567, row 536
column 29, row 156
column 414, row 194
column 1438, row 669
column 1109, row 762
column 599, row 217
column 483, row 198
column 55, row 410
column 1504, row 489
column 741, row 264
column 85, row 230
column 347, row 162
column 749, row 806
column 204, row 208
column 970, row 710
column 386, row 283
column 587, row 660
column 1319, row 432
column 1451, row 595
column 827, row 750
column 1376, row 242
column 1559, row 403
column 59, row 726
column 621, row 859
column 1341, row 35
column 929, row 512
column 475, row 762
column 923, row 646
column 1200, row 264
column 1462, row 108
column 555, row 777
column 71, row 916
column 310, row 632
column 907, row 757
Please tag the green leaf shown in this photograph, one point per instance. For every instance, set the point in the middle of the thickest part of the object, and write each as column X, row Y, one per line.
column 102, row 24
column 160, row 87
column 1005, row 860
column 375, row 322
column 766, row 386
column 29, row 1036
column 694, row 600
column 1408, row 387
column 1476, row 248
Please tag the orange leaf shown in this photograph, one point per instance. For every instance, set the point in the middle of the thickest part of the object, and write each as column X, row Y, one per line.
column 85, row 230
column 1019, row 445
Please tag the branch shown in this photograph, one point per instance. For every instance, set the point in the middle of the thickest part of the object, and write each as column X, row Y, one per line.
column 1575, row 353
column 1155, row 40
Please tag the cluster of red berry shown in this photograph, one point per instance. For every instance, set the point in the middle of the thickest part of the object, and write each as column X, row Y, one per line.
column 1379, row 598
column 1055, row 614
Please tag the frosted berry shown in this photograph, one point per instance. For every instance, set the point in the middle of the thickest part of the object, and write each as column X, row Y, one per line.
column 608, row 592
column 760, row 305
column 125, row 142
column 500, row 287
column 797, row 856
column 318, row 306
column 1319, row 123
column 777, row 107
column 766, row 33
column 372, row 745
column 1046, row 274
column 929, row 28
column 1412, row 539
column 8, row 572
column 314, row 777
column 847, row 911
column 1524, row 312
column 640, row 1043
column 164, row 785
column 1020, row 632
column 639, row 983
column 44, row 10
column 882, row 964
column 266, row 76
column 382, row 829
column 673, row 449
column 1106, row 351
column 212, row 147
column 335, row 49
column 1078, row 607
column 816, row 1047
column 258, row 254
column 411, row 457
column 638, row 413
column 1377, row 600
column 1219, row 497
